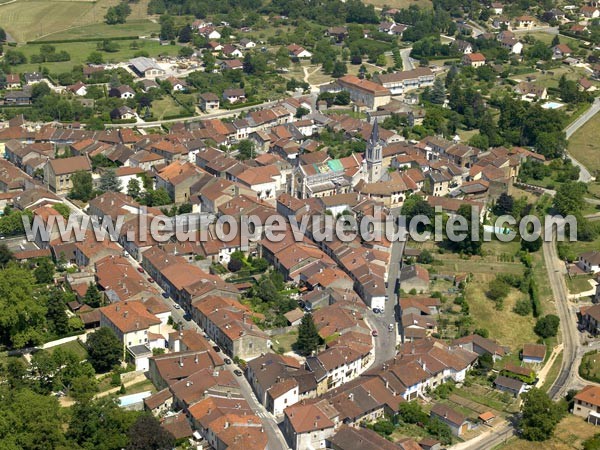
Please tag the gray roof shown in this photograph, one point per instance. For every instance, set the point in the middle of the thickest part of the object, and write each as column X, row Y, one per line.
column 142, row 64
column 509, row 383
column 140, row 350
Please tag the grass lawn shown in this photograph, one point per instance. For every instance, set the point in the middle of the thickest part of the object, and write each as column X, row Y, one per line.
column 73, row 346
column 79, row 52
column 579, row 283
column 584, row 145
column 551, row 80
column 285, row 341
column 142, row 386
column 165, row 106
column 132, row 28
column 570, row 433
column 590, row 366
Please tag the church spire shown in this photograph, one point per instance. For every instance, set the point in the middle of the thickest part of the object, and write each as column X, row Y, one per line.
column 374, row 139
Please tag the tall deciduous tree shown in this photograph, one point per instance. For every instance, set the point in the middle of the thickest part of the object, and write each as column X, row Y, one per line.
column 110, row 182
column 83, row 187
column 539, row 416
column 146, row 433
column 104, row 349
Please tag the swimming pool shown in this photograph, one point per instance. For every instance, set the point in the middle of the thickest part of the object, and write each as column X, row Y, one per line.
column 552, row 105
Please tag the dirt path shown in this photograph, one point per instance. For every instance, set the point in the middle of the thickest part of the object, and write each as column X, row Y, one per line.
column 544, row 372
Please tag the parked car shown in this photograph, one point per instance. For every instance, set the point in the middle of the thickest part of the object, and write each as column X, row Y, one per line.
column 377, row 310
column 238, row 372
column 177, row 306
column 140, row 270
column 391, row 327
column 165, row 295
column 216, row 348
column 227, row 361
column 374, row 333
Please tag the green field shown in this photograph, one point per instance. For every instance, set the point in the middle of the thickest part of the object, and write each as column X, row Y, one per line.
column 584, row 145
column 579, row 283
column 165, row 107
column 27, row 20
column 73, row 346
column 79, row 52
column 132, row 28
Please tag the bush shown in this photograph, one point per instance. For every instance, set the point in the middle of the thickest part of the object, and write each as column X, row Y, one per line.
column 547, row 326
column 522, row 307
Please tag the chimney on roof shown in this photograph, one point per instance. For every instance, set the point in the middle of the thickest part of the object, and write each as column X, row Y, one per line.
column 125, row 314
column 180, row 361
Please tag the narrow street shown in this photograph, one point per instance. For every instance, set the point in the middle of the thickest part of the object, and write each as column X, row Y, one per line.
column 276, row 441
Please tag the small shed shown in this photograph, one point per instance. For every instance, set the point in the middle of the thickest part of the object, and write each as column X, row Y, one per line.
column 294, row 317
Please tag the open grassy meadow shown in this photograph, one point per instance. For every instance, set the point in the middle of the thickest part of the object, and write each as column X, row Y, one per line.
column 398, row 4
column 570, row 433
column 27, row 20
column 584, row 145
column 79, row 52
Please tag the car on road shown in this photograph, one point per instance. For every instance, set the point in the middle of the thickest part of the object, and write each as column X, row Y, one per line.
column 177, row 306
column 140, row 270
column 391, row 327
column 227, row 361
column 216, row 348
column 238, row 372
column 374, row 333
column 377, row 310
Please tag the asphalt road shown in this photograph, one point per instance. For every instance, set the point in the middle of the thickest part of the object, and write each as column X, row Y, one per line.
column 570, row 335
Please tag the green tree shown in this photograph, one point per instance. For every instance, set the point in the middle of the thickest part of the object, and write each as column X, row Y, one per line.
column 30, row 421
column 44, row 272
column 63, row 209
column 93, row 297
column 440, row 431
column 411, row 412
column 104, row 349
column 539, row 416
column 569, row 197
column 56, row 314
column 470, row 245
column 5, row 255
column 245, row 150
column 438, row 92
column 23, row 317
column 109, row 181
column 133, row 188
column 167, row 27
column 547, row 326
column 100, row 424
column 504, row 204
column 339, row 69
column 308, row 336
column 146, row 433
column 83, row 187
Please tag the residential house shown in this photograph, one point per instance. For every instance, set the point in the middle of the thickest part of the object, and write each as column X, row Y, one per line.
column 209, row 102
column 473, row 60
column 511, row 385
column 350, row 438
column 13, row 81
column 124, row 92
column 533, row 353
column 590, row 12
column 497, row 8
column 177, row 178
column 296, row 51
column 234, row 95
column 247, row 43
column 78, row 88
column 231, row 64
column 525, row 22
column 58, row 172
column 455, row 420
column 589, row 261
column 131, row 322
column 531, row 91
column 176, row 84
column 481, row 346
column 307, row 426
column 587, row 404
column 560, row 51
column 123, row 113
column 463, row 47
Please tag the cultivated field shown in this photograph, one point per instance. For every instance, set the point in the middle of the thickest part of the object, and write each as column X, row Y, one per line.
column 27, row 20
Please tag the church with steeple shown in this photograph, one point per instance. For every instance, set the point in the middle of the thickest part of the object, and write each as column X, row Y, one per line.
column 374, row 156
